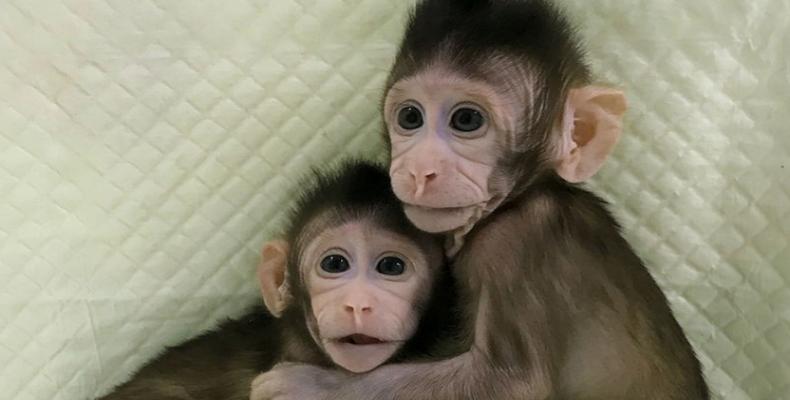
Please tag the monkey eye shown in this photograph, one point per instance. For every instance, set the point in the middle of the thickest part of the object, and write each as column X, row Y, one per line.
column 392, row 266
column 410, row 118
column 334, row 264
column 467, row 120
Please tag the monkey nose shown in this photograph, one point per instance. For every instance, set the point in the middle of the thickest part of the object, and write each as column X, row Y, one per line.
column 357, row 311
column 421, row 180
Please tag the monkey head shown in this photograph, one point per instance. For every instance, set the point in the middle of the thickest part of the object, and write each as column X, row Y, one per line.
column 481, row 102
column 356, row 271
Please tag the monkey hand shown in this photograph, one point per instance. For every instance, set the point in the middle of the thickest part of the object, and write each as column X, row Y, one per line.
column 294, row 381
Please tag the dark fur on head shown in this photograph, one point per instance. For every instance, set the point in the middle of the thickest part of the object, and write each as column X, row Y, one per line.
column 355, row 190
column 492, row 40
column 468, row 31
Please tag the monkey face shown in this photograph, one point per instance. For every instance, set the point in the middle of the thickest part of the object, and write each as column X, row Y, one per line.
column 366, row 287
column 446, row 133
column 459, row 144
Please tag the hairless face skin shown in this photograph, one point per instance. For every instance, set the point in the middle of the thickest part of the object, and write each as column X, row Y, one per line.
column 364, row 283
column 493, row 120
column 444, row 143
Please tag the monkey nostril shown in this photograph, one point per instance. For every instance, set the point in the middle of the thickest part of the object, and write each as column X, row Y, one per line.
column 354, row 309
column 422, row 178
column 423, row 175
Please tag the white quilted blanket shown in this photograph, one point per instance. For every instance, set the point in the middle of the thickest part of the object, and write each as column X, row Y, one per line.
column 148, row 147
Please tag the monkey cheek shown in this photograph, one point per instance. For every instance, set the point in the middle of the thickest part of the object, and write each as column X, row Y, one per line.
column 438, row 220
column 360, row 358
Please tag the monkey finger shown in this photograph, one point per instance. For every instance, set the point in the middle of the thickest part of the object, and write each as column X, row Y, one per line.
column 293, row 381
column 266, row 386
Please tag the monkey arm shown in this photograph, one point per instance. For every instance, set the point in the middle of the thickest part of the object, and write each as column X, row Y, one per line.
column 512, row 354
column 474, row 374
column 490, row 370
column 468, row 376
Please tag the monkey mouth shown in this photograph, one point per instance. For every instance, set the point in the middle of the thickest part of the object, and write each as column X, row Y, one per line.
column 360, row 340
column 438, row 220
column 440, row 211
column 359, row 352
column 437, row 209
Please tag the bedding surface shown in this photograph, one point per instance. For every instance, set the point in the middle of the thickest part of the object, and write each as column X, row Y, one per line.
column 148, row 148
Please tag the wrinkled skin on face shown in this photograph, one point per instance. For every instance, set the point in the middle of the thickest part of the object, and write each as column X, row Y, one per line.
column 365, row 287
column 460, row 146
column 446, row 133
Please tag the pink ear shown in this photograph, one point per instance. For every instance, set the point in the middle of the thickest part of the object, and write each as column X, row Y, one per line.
column 271, row 276
column 592, row 123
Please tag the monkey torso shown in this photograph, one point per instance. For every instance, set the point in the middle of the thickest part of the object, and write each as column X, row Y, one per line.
column 555, row 257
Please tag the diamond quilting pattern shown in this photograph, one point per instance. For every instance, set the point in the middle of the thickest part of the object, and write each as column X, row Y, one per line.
column 700, row 180
column 147, row 149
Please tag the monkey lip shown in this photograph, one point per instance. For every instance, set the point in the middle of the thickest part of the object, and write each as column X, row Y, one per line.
column 360, row 340
column 437, row 209
column 436, row 220
column 359, row 352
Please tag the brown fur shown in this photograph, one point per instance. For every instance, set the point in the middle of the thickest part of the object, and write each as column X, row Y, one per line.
column 217, row 365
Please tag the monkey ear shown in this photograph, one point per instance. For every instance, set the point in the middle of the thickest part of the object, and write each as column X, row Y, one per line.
column 591, row 125
column 272, row 274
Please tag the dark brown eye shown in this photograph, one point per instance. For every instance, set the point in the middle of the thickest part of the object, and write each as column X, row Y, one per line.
column 410, row 118
column 392, row 266
column 334, row 264
column 467, row 120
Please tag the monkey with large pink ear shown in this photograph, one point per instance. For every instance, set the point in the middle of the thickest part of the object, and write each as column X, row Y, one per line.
column 492, row 121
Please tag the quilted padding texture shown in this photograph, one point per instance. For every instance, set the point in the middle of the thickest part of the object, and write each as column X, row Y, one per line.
column 148, row 148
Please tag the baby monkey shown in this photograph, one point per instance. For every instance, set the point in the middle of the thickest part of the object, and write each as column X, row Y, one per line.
column 353, row 285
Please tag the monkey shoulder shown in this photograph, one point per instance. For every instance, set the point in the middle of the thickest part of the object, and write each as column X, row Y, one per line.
column 558, row 205
column 557, row 225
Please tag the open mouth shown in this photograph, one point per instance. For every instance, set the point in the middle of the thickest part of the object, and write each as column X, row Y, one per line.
column 360, row 340
column 359, row 352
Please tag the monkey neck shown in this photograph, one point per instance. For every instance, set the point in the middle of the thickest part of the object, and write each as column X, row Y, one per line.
column 298, row 345
column 454, row 240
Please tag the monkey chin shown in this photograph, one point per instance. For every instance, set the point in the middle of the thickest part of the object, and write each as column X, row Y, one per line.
column 438, row 220
column 360, row 358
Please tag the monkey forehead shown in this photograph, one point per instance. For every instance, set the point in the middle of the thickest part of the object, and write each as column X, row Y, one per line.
column 504, row 92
